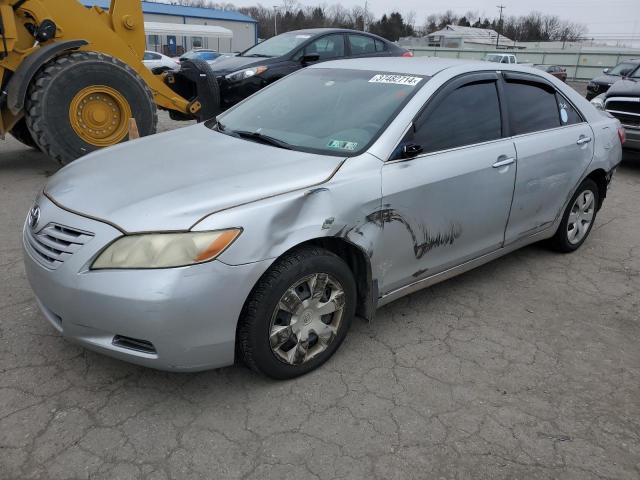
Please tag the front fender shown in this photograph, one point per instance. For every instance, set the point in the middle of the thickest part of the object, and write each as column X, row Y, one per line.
column 341, row 207
column 19, row 84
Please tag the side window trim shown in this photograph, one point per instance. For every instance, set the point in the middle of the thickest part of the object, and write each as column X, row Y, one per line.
column 438, row 97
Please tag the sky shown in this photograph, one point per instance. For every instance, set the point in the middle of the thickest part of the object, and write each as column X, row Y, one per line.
column 603, row 18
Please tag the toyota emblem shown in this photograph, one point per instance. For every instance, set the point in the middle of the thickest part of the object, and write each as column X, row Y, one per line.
column 34, row 216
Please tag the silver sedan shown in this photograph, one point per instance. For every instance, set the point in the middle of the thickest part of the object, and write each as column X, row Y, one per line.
column 258, row 236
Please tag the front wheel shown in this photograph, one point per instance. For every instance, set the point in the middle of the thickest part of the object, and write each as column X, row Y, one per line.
column 298, row 314
column 578, row 218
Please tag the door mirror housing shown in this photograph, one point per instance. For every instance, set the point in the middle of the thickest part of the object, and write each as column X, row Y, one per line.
column 309, row 58
column 411, row 150
column 606, row 70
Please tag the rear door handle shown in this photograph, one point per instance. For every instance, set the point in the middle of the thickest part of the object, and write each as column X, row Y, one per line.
column 583, row 140
column 503, row 162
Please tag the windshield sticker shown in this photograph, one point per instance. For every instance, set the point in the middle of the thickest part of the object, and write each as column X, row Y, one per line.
column 342, row 145
column 397, row 79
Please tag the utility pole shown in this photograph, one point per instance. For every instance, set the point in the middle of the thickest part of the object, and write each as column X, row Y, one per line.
column 501, row 7
column 364, row 17
column 275, row 20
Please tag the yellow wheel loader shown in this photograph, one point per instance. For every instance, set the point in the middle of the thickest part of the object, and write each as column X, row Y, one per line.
column 71, row 77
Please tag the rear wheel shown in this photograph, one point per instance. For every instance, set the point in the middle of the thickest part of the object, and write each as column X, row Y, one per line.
column 22, row 134
column 578, row 218
column 298, row 314
column 83, row 101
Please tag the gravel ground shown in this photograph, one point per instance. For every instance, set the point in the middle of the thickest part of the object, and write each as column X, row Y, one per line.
column 528, row 367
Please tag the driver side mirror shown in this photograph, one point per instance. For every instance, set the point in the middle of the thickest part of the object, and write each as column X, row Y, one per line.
column 309, row 58
column 606, row 70
column 411, row 150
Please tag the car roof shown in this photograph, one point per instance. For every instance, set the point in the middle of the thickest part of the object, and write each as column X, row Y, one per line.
column 425, row 66
column 318, row 31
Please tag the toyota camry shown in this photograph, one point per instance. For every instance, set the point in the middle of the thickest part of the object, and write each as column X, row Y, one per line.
column 258, row 236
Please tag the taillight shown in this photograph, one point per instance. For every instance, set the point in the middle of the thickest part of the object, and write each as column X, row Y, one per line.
column 407, row 54
column 622, row 135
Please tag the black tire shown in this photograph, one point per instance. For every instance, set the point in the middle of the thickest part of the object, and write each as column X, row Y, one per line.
column 255, row 321
column 560, row 241
column 58, row 82
column 21, row 132
column 207, row 88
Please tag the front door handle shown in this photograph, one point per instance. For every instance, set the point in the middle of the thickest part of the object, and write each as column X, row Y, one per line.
column 503, row 162
column 583, row 140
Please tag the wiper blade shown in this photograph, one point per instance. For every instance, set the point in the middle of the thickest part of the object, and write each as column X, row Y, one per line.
column 259, row 55
column 261, row 138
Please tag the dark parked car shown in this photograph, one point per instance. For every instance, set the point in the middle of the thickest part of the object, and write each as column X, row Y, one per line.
column 555, row 70
column 255, row 68
column 601, row 83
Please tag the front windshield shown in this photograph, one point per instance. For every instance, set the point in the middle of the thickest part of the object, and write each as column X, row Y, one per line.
column 278, row 45
column 636, row 73
column 329, row 111
column 492, row 58
column 622, row 69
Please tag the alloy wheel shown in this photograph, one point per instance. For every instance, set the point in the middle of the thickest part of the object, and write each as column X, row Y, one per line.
column 307, row 318
column 581, row 217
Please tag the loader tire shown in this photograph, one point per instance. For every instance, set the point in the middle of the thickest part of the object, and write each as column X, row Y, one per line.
column 208, row 90
column 23, row 135
column 81, row 102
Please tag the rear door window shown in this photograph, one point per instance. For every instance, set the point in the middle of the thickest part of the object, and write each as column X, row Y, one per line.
column 329, row 46
column 468, row 115
column 380, row 46
column 361, row 45
column 532, row 107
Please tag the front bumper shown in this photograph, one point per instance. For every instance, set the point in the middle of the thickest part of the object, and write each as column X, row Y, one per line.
column 232, row 93
column 186, row 317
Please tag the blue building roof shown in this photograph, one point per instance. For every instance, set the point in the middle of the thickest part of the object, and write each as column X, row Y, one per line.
column 168, row 9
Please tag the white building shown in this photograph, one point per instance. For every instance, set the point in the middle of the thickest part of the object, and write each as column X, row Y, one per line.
column 455, row 36
column 244, row 29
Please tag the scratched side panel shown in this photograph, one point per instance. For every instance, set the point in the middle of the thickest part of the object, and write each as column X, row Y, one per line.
column 337, row 208
column 443, row 209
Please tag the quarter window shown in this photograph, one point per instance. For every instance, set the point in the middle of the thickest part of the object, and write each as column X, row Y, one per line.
column 568, row 114
column 532, row 107
column 330, row 46
column 468, row 115
column 361, row 45
column 380, row 46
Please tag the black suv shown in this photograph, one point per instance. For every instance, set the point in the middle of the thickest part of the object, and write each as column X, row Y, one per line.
column 242, row 75
column 601, row 83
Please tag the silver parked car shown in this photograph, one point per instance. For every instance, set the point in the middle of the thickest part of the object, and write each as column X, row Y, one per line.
column 327, row 194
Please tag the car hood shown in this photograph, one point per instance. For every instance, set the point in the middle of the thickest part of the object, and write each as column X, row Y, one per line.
column 625, row 88
column 231, row 64
column 605, row 79
column 170, row 181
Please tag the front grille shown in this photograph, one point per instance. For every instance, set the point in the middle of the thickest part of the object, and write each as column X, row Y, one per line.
column 54, row 243
column 627, row 110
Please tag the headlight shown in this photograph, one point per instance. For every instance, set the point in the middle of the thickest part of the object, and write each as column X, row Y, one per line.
column 598, row 102
column 246, row 73
column 164, row 250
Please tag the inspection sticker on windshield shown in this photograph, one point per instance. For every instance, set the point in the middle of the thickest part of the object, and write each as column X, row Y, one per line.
column 397, row 79
column 342, row 145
